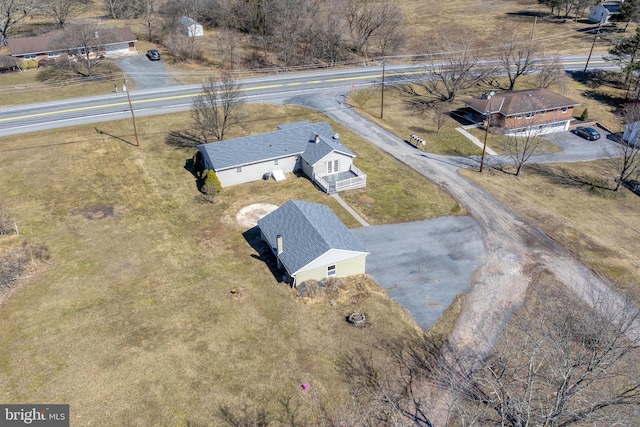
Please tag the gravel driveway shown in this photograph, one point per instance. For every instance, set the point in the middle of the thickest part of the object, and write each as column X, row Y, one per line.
column 424, row 265
column 145, row 73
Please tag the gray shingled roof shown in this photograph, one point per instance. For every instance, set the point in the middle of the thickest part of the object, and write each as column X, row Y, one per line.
column 520, row 102
column 308, row 231
column 290, row 139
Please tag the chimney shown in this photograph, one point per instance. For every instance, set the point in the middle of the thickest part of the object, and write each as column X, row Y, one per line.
column 279, row 250
column 317, row 138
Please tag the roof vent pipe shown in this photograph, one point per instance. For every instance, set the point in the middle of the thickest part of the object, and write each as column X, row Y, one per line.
column 279, row 246
column 317, row 139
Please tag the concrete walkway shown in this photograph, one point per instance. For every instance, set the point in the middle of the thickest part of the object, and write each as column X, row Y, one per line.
column 350, row 210
column 475, row 141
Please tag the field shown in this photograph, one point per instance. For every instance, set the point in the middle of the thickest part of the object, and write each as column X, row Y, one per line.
column 598, row 226
column 132, row 321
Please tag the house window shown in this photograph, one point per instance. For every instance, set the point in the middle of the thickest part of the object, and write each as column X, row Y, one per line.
column 331, row 271
column 239, row 169
column 530, row 115
column 543, row 112
column 53, row 54
column 30, row 56
column 519, row 117
column 275, row 162
column 565, row 109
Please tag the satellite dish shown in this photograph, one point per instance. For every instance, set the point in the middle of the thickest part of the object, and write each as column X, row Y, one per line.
column 336, row 136
column 492, row 93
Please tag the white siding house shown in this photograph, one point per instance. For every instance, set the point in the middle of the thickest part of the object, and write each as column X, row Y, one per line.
column 312, row 148
column 601, row 13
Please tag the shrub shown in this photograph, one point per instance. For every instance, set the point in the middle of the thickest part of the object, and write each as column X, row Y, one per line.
column 210, row 182
column 29, row 63
column 585, row 115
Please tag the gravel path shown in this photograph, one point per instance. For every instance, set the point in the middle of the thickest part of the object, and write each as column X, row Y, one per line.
column 514, row 247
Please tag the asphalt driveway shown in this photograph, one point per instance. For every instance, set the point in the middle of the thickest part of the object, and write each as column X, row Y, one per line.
column 424, row 265
column 145, row 73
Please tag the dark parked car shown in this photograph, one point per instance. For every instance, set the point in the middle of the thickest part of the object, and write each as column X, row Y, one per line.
column 153, row 55
column 587, row 133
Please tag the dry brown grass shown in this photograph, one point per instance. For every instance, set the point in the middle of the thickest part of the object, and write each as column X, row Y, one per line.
column 135, row 311
column 598, row 226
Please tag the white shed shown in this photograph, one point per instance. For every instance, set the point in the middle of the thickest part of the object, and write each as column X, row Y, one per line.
column 631, row 133
column 601, row 13
column 190, row 27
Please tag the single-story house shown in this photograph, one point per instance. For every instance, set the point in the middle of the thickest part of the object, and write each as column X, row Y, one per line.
column 190, row 27
column 601, row 13
column 311, row 243
column 120, row 41
column 521, row 111
column 313, row 148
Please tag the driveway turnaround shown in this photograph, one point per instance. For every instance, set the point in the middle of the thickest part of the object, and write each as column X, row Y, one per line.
column 424, row 265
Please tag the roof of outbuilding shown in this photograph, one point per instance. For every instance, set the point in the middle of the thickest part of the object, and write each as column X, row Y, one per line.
column 308, row 231
column 46, row 43
column 520, row 102
column 290, row 139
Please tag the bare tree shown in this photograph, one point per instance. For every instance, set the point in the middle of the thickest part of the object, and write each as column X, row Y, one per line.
column 118, row 9
column 523, row 142
column 518, row 54
column 441, row 116
column 218, row 107
column 147, row 11
column 11, row 13
column 369, row 19
column 624, row 158
column 61, row 11
column 453, row 56
column 86, row 40
column 551, row 73
column 559, row 363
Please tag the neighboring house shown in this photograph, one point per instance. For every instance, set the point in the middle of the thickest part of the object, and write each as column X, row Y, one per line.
column 311, row 243
column 121, row 41
column 631, row 133
column 312, row 148
column 190, row 27
column 524, row 110
column 601, row 13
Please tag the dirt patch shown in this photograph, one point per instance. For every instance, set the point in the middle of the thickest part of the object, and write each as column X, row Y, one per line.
column 249, row 215
column 366, row 200
column 93, row 213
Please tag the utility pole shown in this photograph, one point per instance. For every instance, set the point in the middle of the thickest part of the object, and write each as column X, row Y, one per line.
column 133, row 117
column 382, row 93
column 486, row 130
column 486, row 133
column 584, row 72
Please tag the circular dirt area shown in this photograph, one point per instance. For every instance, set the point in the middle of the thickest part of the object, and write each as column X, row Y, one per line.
column 249, row 215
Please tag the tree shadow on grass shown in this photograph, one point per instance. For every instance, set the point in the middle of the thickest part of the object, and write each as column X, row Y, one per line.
column 567, row 179
column 264, row 254
column 183, row 140
column 101, row 132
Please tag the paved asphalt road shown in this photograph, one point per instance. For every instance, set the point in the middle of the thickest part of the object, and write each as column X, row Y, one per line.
column 424, row 265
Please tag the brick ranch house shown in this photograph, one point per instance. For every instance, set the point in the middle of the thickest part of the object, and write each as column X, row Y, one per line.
column 312, row 148
column 520, row 111
column 119, row 42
